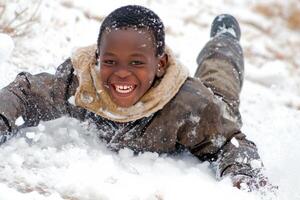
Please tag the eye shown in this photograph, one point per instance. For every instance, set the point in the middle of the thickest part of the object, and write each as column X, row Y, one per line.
column 136, row 63
column 109, row 62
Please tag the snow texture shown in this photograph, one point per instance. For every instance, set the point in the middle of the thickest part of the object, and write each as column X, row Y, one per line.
column 6, row 47
column 235, row 142
column 19, row 121
column 226, row 30
column 63, row 159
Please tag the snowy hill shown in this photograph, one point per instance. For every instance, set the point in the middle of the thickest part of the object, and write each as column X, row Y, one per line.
column 63, row 159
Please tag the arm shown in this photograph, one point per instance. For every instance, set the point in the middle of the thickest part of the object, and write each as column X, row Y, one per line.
column 36, row 97
column 229, row 151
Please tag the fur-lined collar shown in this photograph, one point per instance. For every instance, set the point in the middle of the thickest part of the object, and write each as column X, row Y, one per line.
column 91, row 95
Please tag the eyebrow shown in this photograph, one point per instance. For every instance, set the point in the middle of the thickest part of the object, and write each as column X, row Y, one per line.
column 137, row 55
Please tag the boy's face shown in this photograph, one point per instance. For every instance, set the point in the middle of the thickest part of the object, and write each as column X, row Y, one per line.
column 128, row 64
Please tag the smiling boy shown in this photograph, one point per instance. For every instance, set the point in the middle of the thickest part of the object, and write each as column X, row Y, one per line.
column 139, row 97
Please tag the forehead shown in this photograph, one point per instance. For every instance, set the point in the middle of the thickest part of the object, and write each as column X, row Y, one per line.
column 131, row 38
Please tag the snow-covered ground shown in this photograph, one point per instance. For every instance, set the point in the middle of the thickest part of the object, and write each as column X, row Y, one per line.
column 62, row 159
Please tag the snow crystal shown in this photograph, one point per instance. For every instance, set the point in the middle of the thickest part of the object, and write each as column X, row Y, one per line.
column 71, row 100
column 223, row 30
column 239, row 159
column 219, row 140
column 75, row 73
column 41, row 127
column 256, row 164
column 97, row 67
column 225, row 110
column 111, row 115
column 193, row 132
column 235, row 142
column 221, row 17
column 86, row 98
column 244, row 186
column 195, row 118
column 30, row 135
column 19, row 121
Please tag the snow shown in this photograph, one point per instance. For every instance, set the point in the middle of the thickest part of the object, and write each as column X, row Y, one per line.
column 86, row 98
column 235, row 142
column 256, row 164
column 30, row 135
column 195, row 118
column 41, row 127
column 73, row 163
column 63, row 159
column 226, row 30
column 19, row 121
column 71, row 100
column 7, row 45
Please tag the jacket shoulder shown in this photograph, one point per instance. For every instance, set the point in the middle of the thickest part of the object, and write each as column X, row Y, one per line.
column 191, row 101
column 194, row 93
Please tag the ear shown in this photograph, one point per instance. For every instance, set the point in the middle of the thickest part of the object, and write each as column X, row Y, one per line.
column 162, row 65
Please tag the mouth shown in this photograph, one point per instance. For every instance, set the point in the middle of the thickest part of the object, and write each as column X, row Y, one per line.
column 123, row 89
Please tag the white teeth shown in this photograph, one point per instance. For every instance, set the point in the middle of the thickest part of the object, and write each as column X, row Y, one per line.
column 124, row 88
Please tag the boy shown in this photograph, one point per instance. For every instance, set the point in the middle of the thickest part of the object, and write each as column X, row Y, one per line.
column 136, row 94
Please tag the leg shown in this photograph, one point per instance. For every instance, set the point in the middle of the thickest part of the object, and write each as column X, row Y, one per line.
column 220, row 63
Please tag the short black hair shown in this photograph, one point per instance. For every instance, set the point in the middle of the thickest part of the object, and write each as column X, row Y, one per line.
column 135, row 16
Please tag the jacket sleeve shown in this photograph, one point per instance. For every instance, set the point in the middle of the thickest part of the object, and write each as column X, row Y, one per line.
column 36, row 97
column 238, row 156
column 225, row 146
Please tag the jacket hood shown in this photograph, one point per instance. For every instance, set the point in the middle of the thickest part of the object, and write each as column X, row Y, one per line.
column 91, row 95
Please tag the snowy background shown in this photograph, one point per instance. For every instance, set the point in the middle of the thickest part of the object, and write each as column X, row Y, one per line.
column 62, row 159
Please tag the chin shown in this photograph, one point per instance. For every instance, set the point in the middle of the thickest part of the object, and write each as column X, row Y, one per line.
column 124, row 105
column 123, row 100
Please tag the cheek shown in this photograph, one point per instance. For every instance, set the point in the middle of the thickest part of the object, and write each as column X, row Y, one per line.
column 104, row 73
column 147, row 78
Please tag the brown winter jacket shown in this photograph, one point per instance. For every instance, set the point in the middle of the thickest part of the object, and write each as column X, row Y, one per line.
column 202, row 117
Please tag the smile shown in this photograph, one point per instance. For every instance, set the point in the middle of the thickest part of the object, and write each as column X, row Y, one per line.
column 124, row 89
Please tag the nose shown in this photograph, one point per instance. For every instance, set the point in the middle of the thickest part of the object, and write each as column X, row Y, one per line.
column 122, row 72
